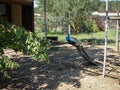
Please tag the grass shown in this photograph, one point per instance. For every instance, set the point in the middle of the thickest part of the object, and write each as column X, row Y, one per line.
column 98, row 36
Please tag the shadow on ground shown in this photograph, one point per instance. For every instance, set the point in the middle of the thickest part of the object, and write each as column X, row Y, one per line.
column 65, row 67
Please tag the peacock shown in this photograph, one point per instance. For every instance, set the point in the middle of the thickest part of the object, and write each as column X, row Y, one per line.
column 73, row 41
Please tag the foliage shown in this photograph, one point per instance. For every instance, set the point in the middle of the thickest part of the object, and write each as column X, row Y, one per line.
column 95, row 5
column 6, row 64
column 89, row 26
column 77, row 12
column 86, row 27
column 99, row 23
column 95, row 27
column 37, row 47
column 112, row 6
column 73, row 12
column 19, row 39
column 39, row 24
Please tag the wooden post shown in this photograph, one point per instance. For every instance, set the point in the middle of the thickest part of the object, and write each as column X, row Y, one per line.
column 16, row 14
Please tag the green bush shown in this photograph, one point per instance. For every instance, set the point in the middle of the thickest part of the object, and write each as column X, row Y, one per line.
column 6, row 64
column 89, row 27
column 19, row 39
column 95, row 27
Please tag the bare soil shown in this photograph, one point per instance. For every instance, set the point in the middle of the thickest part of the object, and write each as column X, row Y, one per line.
column 67, row 70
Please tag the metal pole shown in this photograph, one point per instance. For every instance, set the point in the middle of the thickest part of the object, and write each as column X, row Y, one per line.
column 45, row 25
column 69, row 29
column 117, row 36
column 106, row 34
column 117, row 31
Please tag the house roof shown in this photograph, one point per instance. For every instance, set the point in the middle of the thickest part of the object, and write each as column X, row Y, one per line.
column 27, row 2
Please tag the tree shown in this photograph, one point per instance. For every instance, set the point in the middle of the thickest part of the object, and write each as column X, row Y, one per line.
column 73, row 12
column 113, row 6
column 95, row 5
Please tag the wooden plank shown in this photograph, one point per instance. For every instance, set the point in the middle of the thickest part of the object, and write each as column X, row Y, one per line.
column 28, row 17
column 16, row 14
column 26, row 2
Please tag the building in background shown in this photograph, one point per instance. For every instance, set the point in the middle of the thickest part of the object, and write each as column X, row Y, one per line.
column 18, row 12
column 100, row 18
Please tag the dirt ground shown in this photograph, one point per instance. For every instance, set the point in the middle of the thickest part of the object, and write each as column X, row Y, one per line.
column 67, row 71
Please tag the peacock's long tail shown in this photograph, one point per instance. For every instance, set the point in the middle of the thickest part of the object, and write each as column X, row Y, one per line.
column 84, row 54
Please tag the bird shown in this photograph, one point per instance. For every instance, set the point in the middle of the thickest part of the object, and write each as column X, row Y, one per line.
column 72, row 40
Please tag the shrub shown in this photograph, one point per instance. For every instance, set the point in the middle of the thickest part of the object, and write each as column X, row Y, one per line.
column 89, row 26
column 19, row 39
column 6, row 64
column 99, row 22
column 95, row 27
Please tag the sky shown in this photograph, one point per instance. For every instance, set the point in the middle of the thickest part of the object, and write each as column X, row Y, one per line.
column 35, row 4
column 110, row 0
